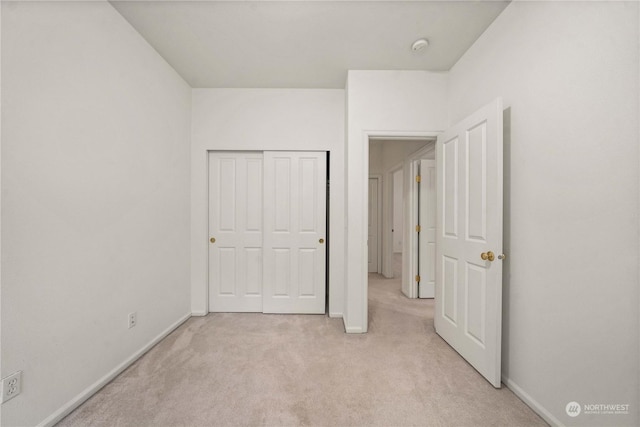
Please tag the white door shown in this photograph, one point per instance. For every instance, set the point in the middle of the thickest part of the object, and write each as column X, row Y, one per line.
column 294, row 232
column 468, row 286
column 235, row 231
column 427, row 235
column 398, row 215
column 373, row 225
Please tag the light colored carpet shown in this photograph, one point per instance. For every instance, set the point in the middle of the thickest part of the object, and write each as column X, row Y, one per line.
column 255, row 369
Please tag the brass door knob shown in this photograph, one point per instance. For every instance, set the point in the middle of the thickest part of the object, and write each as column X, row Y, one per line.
column 488, row 256
column 321, row 240
column 212, row 240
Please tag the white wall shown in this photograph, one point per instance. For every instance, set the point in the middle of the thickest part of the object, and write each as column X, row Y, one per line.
column 568, row 74
column 375, row 158
column 266, row 119
column 394, row 153
column 385, row 103
column 95, row 209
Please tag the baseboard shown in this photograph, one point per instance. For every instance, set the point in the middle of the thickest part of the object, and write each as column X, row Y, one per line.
column 92, row 389
column 335, row 315
column 353, row 329
column 532, row 403
column 199, row 313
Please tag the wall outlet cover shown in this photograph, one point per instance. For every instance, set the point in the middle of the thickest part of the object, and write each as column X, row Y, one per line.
column 11, row 386
column 133, row 319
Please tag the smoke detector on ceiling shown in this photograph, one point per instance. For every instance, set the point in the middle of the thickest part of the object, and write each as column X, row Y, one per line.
column 419, row 44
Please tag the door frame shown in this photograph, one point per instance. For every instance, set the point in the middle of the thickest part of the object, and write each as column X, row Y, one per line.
column 379, row 249
column 369, row 135
column 327, row 214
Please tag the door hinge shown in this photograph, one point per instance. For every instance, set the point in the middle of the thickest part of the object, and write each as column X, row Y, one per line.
column 417, row 278
column 417, row 178
column 418, row 229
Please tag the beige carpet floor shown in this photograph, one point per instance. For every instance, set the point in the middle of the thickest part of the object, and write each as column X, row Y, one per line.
column 276, row 370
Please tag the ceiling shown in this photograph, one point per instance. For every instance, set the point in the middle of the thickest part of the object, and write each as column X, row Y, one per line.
column 304, row 44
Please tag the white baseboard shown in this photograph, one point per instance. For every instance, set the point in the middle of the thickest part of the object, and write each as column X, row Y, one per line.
column 92, row 389
column 353, row 329
column 199, row 313
column 335, row 315
column 532, row 403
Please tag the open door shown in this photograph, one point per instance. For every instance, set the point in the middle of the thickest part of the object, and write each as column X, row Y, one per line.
column 427, row 229
column 469, row 239
column 372, row 239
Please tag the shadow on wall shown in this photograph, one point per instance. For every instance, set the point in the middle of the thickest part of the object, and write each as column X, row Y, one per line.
column 506, row 238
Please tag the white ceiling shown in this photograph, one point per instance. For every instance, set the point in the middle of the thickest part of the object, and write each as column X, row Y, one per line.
column 305, row 44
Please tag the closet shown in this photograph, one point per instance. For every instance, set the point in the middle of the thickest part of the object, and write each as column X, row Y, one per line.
column 267, row 231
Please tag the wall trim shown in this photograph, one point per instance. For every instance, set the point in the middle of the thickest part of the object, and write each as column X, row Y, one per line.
column 531, row 402
column 199, row 313
column 336, row 315
column 68, row 407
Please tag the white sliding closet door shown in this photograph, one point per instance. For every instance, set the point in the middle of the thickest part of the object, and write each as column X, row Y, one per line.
column 235, row 231
column 294, row 232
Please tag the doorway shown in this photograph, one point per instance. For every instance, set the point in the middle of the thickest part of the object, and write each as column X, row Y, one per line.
column 468, row 298
column 391, row 161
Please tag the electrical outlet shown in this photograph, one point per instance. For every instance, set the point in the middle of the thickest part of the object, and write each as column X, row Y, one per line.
column 11, row 386
column 133, row 319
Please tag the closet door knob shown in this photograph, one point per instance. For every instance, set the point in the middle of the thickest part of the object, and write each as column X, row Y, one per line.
column 321, row 240
column 212, row 240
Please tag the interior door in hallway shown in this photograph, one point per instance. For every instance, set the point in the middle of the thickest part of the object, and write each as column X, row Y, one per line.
column 427, row 234
column 469, row 239
column 294, row 235
column 372, row 238
column 235, row 231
